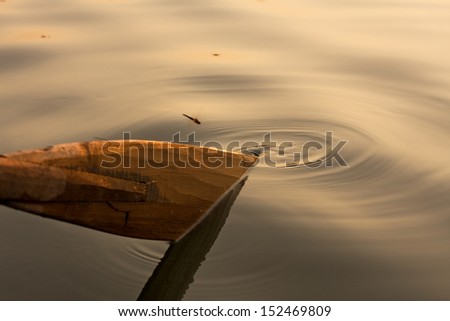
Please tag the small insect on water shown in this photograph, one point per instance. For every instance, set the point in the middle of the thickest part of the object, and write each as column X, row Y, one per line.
column 195, row 120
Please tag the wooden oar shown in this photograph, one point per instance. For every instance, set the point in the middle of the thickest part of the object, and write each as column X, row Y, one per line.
column 136, row 188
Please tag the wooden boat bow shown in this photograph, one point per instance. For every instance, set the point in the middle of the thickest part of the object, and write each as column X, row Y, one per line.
column 136, row 188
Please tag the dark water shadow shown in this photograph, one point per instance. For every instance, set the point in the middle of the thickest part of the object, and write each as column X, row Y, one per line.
column 13, row 59
column 227, row 84
column 173, row 275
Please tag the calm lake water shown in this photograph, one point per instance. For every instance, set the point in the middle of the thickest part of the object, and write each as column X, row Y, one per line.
column 374, row 73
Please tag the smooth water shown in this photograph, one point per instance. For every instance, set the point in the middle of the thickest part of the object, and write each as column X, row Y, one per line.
column 374, row 73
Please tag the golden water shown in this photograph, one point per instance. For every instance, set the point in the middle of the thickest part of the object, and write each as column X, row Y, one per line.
column 375, row 73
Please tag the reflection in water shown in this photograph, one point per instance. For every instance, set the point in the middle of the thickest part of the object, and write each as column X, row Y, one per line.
column 373, row 73
column 176, row 271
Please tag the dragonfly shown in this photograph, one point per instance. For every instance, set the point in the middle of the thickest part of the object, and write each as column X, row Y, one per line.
column 195, row 120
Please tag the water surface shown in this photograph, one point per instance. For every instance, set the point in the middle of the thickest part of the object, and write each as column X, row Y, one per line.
column 375, row 73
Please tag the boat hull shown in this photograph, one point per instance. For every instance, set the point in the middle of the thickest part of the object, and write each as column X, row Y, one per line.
column 177, row 185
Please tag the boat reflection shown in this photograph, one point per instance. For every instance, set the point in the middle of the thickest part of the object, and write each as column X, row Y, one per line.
column 173, row 275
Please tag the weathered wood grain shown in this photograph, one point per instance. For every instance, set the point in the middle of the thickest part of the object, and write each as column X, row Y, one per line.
column 143, row 189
